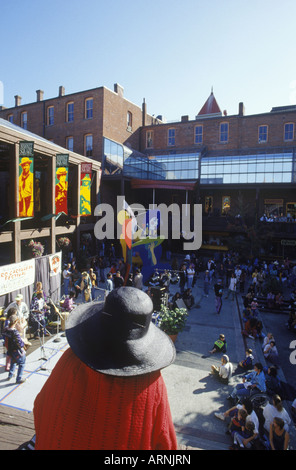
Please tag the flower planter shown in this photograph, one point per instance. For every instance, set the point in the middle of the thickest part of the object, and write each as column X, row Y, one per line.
column 173, row 337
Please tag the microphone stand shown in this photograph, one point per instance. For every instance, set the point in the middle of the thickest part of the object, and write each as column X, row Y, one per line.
column 41, row 338
column 57, row 339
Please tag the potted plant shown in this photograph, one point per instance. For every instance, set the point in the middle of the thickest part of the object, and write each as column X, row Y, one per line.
column 172, row 321
column 37, row 249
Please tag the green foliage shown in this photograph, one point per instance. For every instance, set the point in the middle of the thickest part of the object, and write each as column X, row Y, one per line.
column 172, row 321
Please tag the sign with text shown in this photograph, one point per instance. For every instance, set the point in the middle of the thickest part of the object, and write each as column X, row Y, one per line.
column 16, row 276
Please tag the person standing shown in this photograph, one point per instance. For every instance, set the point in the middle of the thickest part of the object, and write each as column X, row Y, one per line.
column 22, row 313
column 138, row 279
column 218, row 288
column 232, row 286
column 109, row 283
column 15, row 349
column 67, row 278
column 206, row 283
column 118, row 280
column 190, row 275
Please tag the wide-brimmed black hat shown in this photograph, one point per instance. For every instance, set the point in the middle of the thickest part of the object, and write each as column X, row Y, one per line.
column 117, row 337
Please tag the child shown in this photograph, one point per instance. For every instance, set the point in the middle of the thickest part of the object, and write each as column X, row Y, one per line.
column 15, row 349
column 220, row 345
column 247, row 363
column 68, row 304
column 244, row 439
column 238, row 421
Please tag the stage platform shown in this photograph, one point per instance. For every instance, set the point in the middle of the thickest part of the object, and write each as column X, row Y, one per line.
column 39, row 365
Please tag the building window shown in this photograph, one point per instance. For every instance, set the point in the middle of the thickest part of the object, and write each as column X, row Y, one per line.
column 208, row 204
column 10, row 118
column 50, row 115
column 70, row 143
column 88, row 145
column 89, row 108
column 289, row 131
column 24, row 120
column 224, row 132
column 267, row 168
column 171, row 136
column 149, row 139
column 198, row 137
column 291, row 210
column 129, row 118
column 70, row 112
column 262, row 134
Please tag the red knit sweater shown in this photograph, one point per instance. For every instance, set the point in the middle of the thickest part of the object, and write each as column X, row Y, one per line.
column 80, row 409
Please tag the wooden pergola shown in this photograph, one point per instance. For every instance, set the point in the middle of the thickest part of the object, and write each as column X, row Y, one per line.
column 16, row 229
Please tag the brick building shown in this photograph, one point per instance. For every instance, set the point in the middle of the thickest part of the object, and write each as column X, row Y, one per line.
column 238, row 167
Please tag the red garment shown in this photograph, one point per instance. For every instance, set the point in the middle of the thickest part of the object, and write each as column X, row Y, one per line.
column 80, row 409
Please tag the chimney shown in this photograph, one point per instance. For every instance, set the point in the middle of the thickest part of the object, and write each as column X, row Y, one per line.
column 144, row 112
column 241, row 109
column 118, row 89
column 61, row 91
column 18, row 100
column 184, row 118
column 40, row 94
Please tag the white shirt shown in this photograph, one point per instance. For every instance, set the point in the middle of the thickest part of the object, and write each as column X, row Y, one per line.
column 66, row 274
column 252, row 418
column 226, row 370
column 232, row 283
column 270, row 412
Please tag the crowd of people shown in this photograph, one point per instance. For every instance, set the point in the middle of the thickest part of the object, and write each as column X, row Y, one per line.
column 226, row 277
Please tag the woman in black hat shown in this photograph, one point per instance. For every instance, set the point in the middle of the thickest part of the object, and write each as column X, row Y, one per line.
column 107, row 392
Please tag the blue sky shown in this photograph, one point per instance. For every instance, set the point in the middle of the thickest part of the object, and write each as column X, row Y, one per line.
column 169, row 52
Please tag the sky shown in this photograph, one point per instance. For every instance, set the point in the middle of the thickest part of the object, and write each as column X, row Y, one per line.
column 170, row 53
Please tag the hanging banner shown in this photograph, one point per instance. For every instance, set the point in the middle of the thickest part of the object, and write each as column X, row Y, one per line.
column 16, row 276
column 55, row 264
column 26, row 179
column 61, row 183
column 85, row 189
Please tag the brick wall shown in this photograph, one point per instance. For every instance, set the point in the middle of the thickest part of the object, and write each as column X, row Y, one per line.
column 243, row 132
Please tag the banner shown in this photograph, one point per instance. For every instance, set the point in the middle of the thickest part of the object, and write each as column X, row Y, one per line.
column 61, row 186
column 26, row 179
column 16, row 276
column 85, row 189
column 55, row 264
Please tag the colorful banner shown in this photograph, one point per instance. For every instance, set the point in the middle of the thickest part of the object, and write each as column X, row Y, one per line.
column 26, row 179
column 16, row 276
column 55, row 264
column 61, row 186
column 85, row 189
